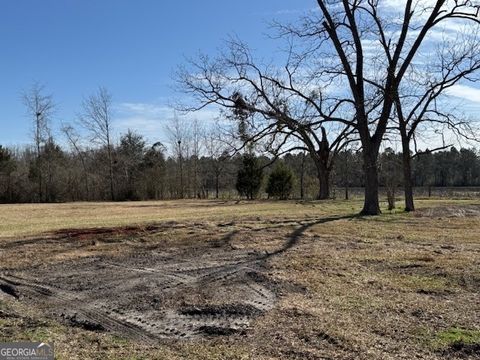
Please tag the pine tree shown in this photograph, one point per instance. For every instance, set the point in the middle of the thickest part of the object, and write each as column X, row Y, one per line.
column 249, row 177
column 280, row 182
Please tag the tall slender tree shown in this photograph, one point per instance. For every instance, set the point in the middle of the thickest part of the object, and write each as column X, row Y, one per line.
column 40, row 108
column 96, row 118
column 74, row 139
column 422, row 101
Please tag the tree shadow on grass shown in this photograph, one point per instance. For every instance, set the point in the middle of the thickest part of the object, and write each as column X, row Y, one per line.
column 295, row 236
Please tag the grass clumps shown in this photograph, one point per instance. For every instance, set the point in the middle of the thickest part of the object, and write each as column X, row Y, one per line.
column 457, row 342
column 455, row 336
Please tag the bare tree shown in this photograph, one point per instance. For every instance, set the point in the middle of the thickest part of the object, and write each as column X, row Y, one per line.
column 218, row 153
column 40, row 108
column 285, row 109
column 422, row 104
column 74, row 139
column 96, row 118
column 178, row 133
column 196, row 135
column 363, row 45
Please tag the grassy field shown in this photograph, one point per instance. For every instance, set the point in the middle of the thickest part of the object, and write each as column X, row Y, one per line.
column 38, row 219
column 387, row 287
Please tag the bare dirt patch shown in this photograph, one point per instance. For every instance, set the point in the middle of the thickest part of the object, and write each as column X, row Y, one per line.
column 156, row 293
column 460, row 350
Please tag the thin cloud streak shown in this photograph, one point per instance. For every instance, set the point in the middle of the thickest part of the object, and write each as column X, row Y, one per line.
column 151, row 120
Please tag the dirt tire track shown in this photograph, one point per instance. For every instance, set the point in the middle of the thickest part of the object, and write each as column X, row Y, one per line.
column 147, row 295
column 25, row 287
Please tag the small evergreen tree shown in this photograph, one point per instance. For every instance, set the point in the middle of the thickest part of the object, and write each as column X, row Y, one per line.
column 280, row 182
column 249, row 177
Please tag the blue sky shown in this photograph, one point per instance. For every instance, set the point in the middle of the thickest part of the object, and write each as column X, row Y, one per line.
column 129, row 46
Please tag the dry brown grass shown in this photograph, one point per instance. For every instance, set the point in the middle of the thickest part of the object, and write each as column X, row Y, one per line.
column 386, row 287
column 35, row 219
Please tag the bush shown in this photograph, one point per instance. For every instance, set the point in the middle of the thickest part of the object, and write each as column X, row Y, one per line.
column 280, row 182
column 249, row 177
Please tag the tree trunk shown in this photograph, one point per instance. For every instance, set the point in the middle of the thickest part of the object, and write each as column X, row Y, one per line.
column 87, row 193
column 9, row 188
column 181, row 177
column 407, row 176
column 321, row 160
column 302, row 178
column 324, row 182
column 85, row 176
column 110, row 171
column 217, row 186
column 323, row 176
column 345, row 177
column 391, row 196
column 371, row 205
column 39, row 165
column 195, row 187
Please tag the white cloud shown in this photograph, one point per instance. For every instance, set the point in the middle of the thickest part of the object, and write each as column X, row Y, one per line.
column 151, row 120
column 465, row 92
column 287, row 12
column 143, row 108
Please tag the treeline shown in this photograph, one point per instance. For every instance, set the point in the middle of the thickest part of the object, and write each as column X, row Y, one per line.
column 447, row 168
column 147, row 172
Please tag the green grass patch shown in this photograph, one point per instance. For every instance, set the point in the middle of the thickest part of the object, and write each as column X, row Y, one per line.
column 455, row 335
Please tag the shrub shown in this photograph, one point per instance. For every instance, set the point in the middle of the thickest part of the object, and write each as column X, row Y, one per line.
column 249, row 177
column 280, row 182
